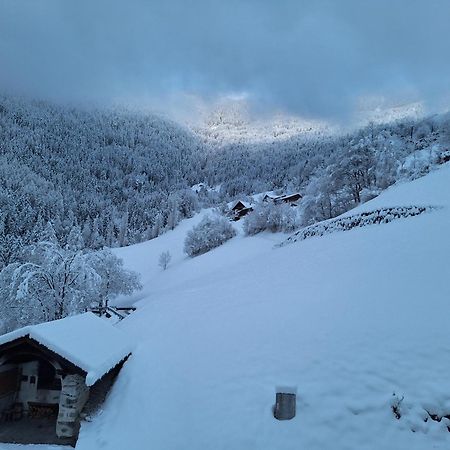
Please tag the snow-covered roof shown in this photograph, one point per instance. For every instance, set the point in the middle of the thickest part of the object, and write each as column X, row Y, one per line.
column 87, row 341
column 271, row 196
column 277, row 198
column 294, row 194
column 198, row 187
column 245, row 204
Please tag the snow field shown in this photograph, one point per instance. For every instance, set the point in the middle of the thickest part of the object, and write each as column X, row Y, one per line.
column 352, row 321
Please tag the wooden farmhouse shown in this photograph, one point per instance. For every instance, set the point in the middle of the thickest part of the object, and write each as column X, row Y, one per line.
column 240, row 209
column 292, row 199
column 54, row 373
column 269, row 198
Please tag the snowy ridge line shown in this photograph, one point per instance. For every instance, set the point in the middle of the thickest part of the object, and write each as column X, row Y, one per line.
column 378, row 216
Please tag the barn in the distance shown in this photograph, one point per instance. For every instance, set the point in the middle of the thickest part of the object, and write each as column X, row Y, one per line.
column 240, row 209
column 52, row 373
column 292, row 199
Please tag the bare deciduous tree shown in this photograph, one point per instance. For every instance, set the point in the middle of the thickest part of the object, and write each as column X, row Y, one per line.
column 164, row 260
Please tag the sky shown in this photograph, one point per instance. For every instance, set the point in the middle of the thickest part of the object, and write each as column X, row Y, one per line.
column 314, row 58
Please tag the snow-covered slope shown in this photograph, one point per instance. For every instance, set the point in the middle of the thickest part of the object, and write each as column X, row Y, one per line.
column 355, row 322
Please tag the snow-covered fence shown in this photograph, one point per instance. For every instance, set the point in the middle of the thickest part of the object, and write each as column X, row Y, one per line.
column 378, row 216
column 118, row 312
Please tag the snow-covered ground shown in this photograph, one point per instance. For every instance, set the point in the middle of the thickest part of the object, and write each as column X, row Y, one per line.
column 354, row 322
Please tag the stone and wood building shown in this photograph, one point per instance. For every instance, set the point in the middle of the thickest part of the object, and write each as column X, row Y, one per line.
column 52, row 374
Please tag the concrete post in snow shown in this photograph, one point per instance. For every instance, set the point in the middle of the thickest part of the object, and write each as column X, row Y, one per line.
column 285, row 406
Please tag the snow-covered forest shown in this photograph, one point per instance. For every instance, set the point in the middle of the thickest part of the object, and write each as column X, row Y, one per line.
column 77, row 181
column 124, row 177
column 120, row 177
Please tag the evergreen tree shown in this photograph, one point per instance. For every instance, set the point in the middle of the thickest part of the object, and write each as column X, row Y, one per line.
column 48, row 234
column 75, row 239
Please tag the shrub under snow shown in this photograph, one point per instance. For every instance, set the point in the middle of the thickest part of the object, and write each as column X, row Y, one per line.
column 211, row 232
column 270, row 217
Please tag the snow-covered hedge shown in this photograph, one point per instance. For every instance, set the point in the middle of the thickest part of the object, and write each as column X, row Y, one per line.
column 211, row 232
column 378, row 216
column 270, row 217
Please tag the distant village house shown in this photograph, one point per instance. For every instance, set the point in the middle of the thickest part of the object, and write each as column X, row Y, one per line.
column 240, row 209
column 292, row 199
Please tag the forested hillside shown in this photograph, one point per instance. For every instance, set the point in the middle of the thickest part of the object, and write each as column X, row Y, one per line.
column 120, row 176
column 123, row 177
column 334, row 173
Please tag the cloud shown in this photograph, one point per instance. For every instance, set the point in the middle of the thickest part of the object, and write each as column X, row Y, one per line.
column 314, row 58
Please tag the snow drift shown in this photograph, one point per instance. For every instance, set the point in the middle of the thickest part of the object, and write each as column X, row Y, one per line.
column 356, row 323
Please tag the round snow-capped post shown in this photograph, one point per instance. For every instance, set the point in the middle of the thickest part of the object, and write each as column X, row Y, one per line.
column 285, row 406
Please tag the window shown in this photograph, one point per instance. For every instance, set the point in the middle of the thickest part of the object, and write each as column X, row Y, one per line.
column 32, row 380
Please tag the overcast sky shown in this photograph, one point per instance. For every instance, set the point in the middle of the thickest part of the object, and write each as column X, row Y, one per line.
column 309, row 57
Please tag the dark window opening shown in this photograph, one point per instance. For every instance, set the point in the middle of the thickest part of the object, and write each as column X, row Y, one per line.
column 32, row 380
column 47, row 377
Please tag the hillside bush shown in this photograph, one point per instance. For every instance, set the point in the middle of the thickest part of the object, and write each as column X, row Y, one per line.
column 211, row 232
column 270, row 217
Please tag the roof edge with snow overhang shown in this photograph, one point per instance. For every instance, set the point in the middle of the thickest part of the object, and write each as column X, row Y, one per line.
column 85, row 340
